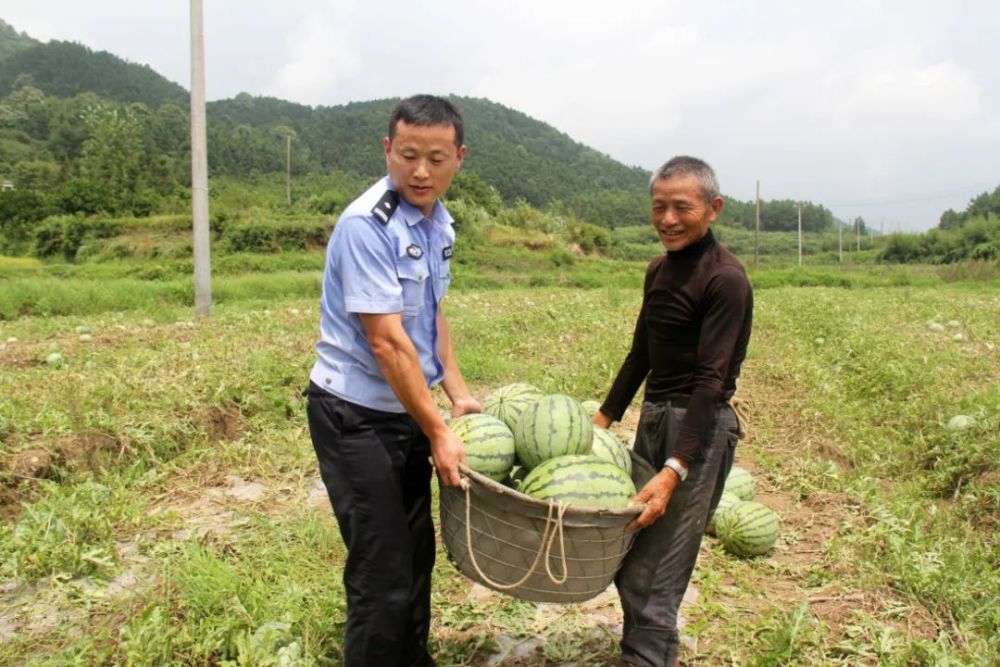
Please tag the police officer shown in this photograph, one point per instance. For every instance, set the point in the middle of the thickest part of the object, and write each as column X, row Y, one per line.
column 384, row 342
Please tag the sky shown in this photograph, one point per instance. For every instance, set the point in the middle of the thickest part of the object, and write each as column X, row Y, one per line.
column 885, row 110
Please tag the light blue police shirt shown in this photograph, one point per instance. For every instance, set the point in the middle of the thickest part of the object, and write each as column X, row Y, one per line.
column 401, row 265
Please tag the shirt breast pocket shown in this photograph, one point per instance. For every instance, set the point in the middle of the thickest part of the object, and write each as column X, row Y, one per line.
column 413, row 280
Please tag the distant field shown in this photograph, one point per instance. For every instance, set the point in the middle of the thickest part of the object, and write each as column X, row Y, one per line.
column 160, row 499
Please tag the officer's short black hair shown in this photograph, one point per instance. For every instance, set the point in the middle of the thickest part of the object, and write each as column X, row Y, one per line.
column 427, row 110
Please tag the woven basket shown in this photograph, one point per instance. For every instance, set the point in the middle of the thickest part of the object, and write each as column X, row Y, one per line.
column 530, row 549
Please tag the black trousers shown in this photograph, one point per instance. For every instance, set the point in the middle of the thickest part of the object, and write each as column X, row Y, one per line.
column 656, row 571
column 376, row 471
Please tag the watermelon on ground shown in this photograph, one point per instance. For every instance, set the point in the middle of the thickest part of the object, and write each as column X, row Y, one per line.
column 554, row 425
column 489, row 444
column 509, row 401
column 591, row 407
column 748, row 529
column 726, row 501
column 740, row 483
column 581, row 481
column 607, row 446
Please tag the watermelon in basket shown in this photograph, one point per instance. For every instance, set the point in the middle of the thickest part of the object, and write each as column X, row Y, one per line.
column 532, row 549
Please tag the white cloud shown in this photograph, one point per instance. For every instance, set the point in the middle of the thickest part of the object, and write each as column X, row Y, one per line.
column 922, row 97
column 322, row 55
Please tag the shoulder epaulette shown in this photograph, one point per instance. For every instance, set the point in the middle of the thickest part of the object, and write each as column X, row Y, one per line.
column 386, row 206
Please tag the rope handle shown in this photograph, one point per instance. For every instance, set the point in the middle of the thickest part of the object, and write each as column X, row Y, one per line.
column 545, row 544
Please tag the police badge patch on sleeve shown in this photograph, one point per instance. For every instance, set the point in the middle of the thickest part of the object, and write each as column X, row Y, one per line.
column 446, row 253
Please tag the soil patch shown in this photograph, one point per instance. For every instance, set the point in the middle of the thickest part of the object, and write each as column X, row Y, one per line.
column 221, row 423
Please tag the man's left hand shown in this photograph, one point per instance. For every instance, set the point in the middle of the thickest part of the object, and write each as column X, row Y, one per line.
column 465, row 406
column 656, row 494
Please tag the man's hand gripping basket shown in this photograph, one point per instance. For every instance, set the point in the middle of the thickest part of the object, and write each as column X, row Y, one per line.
column 530, row 549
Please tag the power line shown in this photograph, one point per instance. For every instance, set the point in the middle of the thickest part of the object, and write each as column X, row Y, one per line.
column 907, row 200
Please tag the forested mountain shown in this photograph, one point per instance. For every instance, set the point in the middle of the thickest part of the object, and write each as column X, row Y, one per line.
column 65, row 69
column 12, row 41
column 86, row 131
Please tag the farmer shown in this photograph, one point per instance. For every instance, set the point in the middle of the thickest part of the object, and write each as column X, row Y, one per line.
column 690, row 340
column 384, row 342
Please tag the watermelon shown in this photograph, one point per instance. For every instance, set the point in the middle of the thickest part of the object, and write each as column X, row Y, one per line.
column 960, row 423
column 509, row 401
column 591, row 407
column 581, row 481
column 552, row 426
column 607, row 446
column 740, row 483
column 489, row 444
column 747, row 529
column 726, row 501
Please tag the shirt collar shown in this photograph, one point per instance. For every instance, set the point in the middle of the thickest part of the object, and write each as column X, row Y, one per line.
column 696, row 248
column 413, row 215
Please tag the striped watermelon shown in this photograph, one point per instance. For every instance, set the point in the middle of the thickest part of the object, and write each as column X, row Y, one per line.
column 489, row 444
column 607, row 446
column 740, row 483
column 747, row 529
column 726, row 501
column 591, row 407
column 509, row 401
column 516, row 477
column 582, row 481
column 552, row 426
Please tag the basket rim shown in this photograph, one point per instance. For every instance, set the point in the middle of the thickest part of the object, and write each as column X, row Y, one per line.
column 497, row 487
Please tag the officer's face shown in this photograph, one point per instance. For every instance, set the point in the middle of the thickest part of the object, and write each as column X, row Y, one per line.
column 422, row 160
column 679, row 212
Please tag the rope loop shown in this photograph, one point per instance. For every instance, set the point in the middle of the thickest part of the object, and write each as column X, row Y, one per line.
column 544, row 545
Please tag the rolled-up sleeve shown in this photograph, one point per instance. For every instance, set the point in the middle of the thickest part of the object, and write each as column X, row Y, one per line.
column 365, row 262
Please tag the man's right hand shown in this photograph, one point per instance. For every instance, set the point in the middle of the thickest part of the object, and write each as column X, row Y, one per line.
column 600, row 419
column 447, row 451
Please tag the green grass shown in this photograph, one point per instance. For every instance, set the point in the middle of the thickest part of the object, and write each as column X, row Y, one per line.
column 148, row 419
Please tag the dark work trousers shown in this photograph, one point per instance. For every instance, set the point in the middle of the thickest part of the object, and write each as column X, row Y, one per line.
column 656, row 571
column 376, row 471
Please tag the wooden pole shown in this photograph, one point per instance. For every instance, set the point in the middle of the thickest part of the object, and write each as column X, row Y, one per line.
column 199, row 169
column 756, row 238
column 288, row 169
column 840, row 241
column 800, row 234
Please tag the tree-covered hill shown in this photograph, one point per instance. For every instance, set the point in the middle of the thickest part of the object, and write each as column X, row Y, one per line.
column 12, row 41
column 87, row 131
column 522, row 157
column 65, row 69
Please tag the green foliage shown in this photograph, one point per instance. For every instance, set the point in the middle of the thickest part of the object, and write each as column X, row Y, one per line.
column 977, row 239
column 262, row 235
column 12, row 41
column 590, row 238
column 65, row 69
column 20, row 210
column 68, row 532
column 984, row 205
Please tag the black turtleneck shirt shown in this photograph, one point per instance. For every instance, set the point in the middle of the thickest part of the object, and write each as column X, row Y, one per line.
column 690, row 338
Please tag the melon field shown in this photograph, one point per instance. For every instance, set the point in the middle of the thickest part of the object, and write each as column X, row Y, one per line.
column 161, row 502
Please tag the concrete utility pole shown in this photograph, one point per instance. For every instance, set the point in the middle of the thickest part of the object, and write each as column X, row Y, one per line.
column 800, row 233
column 840, row 241
column 199, row 168
column 288, row 169
column 756, row 238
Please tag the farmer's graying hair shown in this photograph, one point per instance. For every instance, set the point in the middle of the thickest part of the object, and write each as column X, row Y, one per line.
column 427, row 110
column 685, row 165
